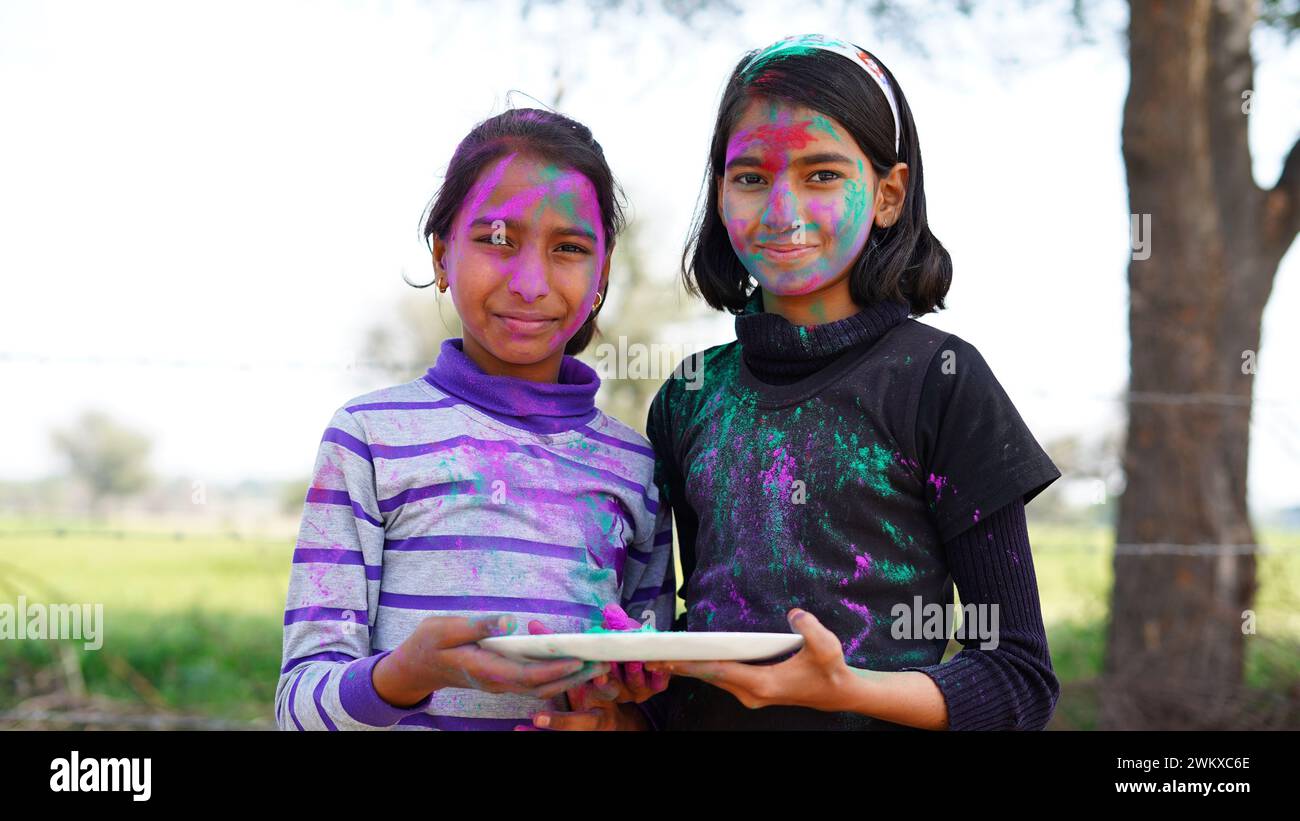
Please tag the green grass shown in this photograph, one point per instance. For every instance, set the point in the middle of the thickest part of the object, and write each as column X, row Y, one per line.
column 194, row 624
column 1074, row 588
column 222, row 665
column 153, row 573
column 198, row 619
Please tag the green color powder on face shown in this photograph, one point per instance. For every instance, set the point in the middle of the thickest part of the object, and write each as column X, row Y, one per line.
column 565, row 202
column 821, row 123
column 857, row 194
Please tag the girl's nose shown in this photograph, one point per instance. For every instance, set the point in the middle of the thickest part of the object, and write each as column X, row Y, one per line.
column 528, row 279
column 782, row 209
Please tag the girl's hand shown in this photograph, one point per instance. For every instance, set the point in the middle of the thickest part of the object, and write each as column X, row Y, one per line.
column 590, row 712
column 629, row 680
column 603, row 704
column 625, row 681
column 442, row 652
column 815, row 677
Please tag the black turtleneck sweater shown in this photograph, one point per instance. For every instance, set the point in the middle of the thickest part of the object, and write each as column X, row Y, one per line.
column 848, row 468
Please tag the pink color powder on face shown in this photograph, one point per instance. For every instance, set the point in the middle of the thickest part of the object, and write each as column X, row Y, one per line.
column 776, row 139
column 573, row 194
column 577, row 195
column 580, row 187
column 842, row 224
column 525, row 277
column 482, row 190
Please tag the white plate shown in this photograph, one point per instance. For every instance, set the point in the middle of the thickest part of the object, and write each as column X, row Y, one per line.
column 645, row 646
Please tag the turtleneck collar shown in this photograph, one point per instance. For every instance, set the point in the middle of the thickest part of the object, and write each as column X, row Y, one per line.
column 779, row 352
column 540, row 407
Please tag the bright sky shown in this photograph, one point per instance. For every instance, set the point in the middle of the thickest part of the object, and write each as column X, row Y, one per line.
column 237, row 186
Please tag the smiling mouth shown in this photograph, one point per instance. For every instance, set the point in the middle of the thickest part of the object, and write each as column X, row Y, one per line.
column 783, row 253
column 527, row 324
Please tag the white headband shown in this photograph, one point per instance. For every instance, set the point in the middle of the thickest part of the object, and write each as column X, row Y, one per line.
column 803, row 43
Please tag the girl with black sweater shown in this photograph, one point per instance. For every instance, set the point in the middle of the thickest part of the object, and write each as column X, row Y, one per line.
column 840, row 465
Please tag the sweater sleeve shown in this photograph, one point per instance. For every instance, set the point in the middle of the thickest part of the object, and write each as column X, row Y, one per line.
column 1011, row 686
column 325, row 681
column 976, row 449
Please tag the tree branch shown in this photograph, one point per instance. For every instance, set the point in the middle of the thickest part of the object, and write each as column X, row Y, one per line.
column 1282, row 207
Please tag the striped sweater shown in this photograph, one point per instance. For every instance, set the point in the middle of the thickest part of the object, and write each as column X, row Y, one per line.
column 460, row 493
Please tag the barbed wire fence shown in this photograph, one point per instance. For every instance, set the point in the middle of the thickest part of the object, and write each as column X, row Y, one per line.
column 261, row 364
column 1049, row 546
column 1287, row 437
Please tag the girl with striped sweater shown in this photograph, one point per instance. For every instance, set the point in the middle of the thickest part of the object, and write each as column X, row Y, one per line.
column 490, row 491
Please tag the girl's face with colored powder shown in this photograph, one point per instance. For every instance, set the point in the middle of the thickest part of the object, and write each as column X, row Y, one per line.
column 797, row 195
column 525, row 259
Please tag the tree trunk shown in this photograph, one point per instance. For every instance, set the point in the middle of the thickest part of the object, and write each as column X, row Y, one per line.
column 1184, row 573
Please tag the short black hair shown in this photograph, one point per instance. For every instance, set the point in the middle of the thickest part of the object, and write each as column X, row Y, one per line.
column 545, row 134
column 904, row 262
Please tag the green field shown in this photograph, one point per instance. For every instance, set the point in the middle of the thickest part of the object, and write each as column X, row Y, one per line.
column 193, row 624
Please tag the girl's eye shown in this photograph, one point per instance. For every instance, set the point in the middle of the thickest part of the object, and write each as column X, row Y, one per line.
column 748, row 179
column 831, row 176
column 489, row 239
column 570, row 248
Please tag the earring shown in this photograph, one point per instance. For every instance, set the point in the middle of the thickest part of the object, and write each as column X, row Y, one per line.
column 442, row 284
column 595, row 306
column 408, row 281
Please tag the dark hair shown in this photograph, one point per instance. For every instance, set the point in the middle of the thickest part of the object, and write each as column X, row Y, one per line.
column 544, row 134
column 904, row 262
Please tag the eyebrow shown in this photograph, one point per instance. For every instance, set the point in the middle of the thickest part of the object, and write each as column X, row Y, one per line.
column 514, row 225
column 825, row 157
column 820, row 158
column 745, row 161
